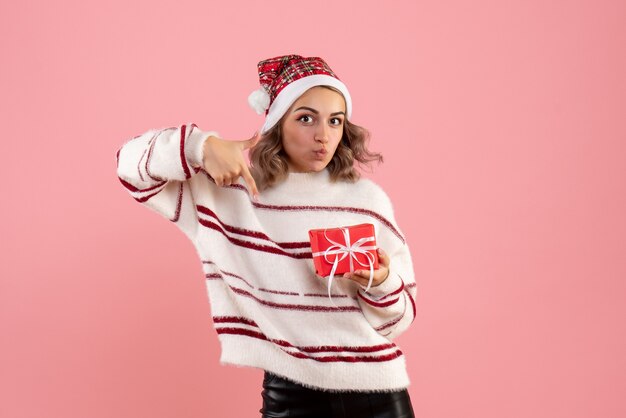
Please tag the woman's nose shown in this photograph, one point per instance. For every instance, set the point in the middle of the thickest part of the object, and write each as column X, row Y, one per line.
column 321, row 134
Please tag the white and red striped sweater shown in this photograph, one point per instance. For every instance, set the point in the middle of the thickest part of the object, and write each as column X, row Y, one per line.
column 269, row 308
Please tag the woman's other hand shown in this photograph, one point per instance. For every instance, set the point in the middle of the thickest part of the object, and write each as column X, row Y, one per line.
column 224, row 161
column 363, row 276
column 380, row 275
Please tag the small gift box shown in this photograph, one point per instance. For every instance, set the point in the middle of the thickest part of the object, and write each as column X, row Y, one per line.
column 344, row 249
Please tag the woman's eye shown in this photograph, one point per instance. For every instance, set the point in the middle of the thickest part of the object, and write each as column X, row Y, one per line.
column 305, row 117
column 337, row 122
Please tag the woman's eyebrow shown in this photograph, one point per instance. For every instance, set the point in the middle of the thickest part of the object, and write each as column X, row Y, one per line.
column 317, row 113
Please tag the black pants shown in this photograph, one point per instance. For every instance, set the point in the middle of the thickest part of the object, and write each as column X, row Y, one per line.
column 284, row 398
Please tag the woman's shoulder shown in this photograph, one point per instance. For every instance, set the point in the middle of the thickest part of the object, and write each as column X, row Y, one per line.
column 371, row 186
column 372, row 194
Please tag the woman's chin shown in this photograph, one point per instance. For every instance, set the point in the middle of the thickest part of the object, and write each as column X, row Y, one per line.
column 319, row 166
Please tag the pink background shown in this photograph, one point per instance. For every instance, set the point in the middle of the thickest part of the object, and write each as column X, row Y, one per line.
column 502, row 126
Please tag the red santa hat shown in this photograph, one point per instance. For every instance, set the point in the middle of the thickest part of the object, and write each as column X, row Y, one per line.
column 283, row 79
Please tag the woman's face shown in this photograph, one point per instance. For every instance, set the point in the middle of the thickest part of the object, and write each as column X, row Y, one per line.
column 312, row 129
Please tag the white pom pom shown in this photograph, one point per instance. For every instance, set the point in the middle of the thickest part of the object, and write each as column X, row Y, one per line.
column 259, row 100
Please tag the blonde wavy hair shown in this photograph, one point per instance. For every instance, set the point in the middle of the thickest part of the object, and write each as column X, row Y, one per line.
column 268, row 158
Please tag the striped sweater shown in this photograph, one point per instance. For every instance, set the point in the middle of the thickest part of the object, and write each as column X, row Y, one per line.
column 270, row 309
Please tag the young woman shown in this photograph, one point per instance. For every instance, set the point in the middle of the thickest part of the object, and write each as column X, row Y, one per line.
column 271, row 310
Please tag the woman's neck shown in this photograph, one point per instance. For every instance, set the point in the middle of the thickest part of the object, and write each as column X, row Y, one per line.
column 304, row 181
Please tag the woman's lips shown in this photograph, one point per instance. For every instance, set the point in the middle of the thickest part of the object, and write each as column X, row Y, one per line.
column 320, row 154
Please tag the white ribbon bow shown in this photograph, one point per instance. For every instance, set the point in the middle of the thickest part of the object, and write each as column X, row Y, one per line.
column 348, row 251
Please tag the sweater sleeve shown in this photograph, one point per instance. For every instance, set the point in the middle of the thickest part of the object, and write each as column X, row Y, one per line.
column 155, row 167
column 390, row 307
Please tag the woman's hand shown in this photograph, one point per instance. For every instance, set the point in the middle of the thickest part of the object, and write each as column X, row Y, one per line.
column 224, row 161
column 380, row 275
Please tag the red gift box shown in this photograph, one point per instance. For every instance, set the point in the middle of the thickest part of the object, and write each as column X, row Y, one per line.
column 344, row 249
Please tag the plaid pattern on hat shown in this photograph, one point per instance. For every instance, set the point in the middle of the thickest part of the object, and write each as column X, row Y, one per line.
column 276, row 73
column 285, row 78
